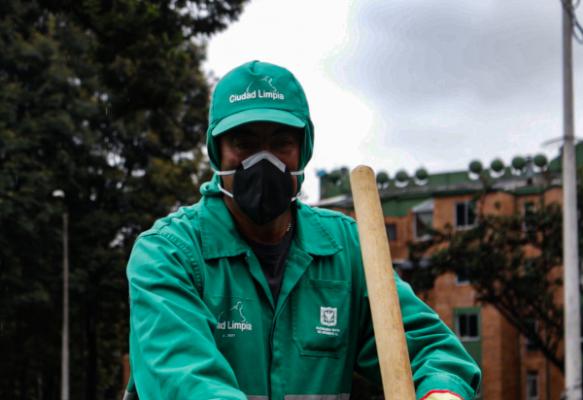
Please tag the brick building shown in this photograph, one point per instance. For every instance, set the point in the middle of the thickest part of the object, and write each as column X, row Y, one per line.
column 512, row 367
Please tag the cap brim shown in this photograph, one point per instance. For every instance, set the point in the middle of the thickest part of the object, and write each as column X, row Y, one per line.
column 255, row 115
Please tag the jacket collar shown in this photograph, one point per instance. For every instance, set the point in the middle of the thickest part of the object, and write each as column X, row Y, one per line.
column 220, row 237
column 311, row 235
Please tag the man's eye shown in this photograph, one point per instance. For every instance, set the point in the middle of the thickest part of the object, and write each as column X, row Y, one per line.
column 280, row 143
column 284, row 141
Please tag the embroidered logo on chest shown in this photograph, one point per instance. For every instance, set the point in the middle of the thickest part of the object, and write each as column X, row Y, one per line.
column 234, row 321
column 328, row 316
column 329, row 319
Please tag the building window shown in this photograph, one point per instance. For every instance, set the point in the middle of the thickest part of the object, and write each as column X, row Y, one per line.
column 465, row 215
column 532, row 385
column 529, row 216
column 467, row 325
column 391, row 231
column 531, row 326
column 423, row 219
column 462, row 276
column 423, row 224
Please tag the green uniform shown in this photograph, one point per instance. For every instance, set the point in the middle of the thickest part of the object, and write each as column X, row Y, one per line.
column 204, row 324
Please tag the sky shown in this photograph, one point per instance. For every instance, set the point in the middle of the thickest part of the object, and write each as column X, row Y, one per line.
column 405, row 84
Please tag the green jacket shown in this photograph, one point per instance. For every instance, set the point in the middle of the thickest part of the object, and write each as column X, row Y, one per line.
column 204, row 324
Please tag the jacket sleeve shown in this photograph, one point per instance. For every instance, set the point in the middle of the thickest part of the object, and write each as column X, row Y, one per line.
column 173, row 354
column 439, row 362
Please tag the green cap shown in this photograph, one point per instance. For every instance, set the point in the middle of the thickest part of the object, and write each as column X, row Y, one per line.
column 258, row 91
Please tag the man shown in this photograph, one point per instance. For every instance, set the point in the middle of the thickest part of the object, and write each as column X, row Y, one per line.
column 251, row 294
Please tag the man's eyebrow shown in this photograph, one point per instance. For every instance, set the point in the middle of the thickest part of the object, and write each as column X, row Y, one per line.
column 242, row 133
column 287, row 130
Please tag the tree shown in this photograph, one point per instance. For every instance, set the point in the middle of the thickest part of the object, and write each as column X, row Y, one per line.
column 106, row 101
column 513, row 263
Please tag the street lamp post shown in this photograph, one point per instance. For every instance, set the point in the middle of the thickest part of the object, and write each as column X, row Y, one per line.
column 65, row 328
column 65, row 344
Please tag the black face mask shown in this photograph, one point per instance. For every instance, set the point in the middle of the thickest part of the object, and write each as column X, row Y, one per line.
column 262, row 187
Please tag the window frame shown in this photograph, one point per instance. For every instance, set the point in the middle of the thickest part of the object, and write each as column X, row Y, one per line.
column 416, row 234
column 463, row 281
column 467, row 312
column 387, row 230
column 529, row 345
column 468, row 205
column 532, row 377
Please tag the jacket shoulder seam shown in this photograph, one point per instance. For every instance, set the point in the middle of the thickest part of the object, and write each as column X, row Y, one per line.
column 331, row 214
column 198, row 280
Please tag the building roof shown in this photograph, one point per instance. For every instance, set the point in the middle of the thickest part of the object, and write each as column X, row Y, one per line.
column 399, row 197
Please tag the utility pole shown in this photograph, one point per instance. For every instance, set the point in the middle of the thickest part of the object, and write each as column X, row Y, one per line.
column 572, row 278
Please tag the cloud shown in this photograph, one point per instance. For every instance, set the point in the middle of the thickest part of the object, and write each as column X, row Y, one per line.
column 453, row 81
column 415, row 53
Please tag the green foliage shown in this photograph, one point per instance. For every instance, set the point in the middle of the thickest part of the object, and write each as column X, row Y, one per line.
column 335, row 183
column 421, row 174
column 540, row 160
column 402, row 176
column 497, row 165
column 105, row 100
column 518, row 163
column 512, row 263
column 475, row 166
column 382, row 179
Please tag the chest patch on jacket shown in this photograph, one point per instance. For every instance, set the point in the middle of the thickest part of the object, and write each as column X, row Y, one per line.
column 329, row 319
column 234, row 320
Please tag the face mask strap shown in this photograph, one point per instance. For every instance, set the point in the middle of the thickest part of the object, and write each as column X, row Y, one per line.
column 222, row 173
column 296, row 173
column 225, row 191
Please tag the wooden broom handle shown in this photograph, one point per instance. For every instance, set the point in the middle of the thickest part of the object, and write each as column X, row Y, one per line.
column 382, row 291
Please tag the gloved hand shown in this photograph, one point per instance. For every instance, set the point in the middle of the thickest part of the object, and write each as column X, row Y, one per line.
column 441, row 395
